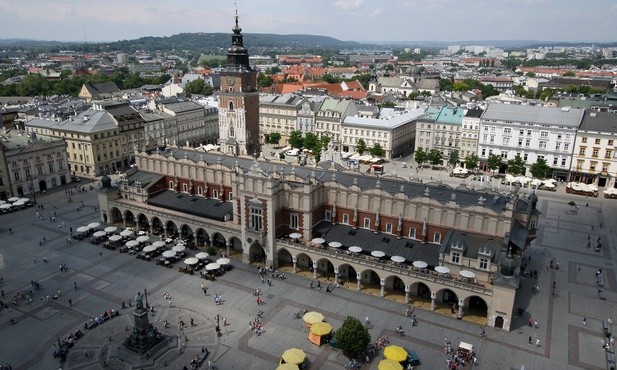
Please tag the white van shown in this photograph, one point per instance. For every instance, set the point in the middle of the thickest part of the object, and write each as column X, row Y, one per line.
column 293, row 152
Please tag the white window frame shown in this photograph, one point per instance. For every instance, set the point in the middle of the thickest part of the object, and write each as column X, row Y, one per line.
column 367, row 223
column 412, row 233
column 346, row 218
column 389, row 228
column 294, row 221
column 328, row 215
column 437, row 238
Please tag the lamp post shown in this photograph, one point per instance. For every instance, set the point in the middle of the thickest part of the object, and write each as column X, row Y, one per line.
column 32, row 189
column 218, row 328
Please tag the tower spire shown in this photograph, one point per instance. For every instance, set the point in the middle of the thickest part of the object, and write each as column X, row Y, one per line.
column 236, row 6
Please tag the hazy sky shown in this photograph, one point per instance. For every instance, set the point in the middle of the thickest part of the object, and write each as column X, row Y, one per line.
column 359, row 20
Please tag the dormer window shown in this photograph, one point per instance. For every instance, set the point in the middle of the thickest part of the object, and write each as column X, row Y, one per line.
column 231, row 104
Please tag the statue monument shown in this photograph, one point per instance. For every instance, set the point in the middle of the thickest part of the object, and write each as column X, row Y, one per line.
column 144, row 335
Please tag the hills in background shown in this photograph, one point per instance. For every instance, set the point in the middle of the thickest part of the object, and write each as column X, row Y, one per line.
column 213, row 42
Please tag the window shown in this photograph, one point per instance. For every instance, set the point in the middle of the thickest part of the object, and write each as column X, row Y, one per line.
column 525, row 156
column 232, row 132
column 328, row 216
column 185, row 188
column 231, row 105
column 605, row 167
column 520, row 142
column 583, row 139
column 504, row 154
column 527, row 142
column 456, row 257
column 581, row 150
column 595, row 151
column 412, row 233
column 542, row 144
column 592, row 166
column 555, row 161
column 171, row 185
column 28, row 174
column 521, row 132
column 215, row 194
column 598, row 141
column 507, row 130
column 437, row 238
column 346, row 219
column 256, row 218
column 200, row 190
column 505, row 141
column 610, row 142
column 60, row 166
column 566, row 146
column 543, row 134
column 389, row 228
column 367, row 223
column 563, row 161
column 557, row 145
column 293, row 221
column 528, row 132
column 483, row 263
column 608, row 154
column 16, row 175
column 231, row 196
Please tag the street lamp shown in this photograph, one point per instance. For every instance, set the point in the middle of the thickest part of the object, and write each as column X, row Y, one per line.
column 32, row 189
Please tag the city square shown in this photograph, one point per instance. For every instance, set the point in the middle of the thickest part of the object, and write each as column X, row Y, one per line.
column 105, row 282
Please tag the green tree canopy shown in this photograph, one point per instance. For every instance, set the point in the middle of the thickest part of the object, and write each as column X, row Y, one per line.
column 376, row 150
column 311, row 141
column 472, row 161
column 361, row 146
column 296, row 140
column 274, row 138
column 421, row 156
column 516, row 166
column 493, row 162
column 454, row 158
column 435, row 157
column 264, row 80
column 540, row 169
column 352, row 337
column 198, row 86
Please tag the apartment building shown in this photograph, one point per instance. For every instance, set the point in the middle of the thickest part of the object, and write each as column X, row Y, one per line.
column 279, row 113
column 470, row 127
column 330, row 116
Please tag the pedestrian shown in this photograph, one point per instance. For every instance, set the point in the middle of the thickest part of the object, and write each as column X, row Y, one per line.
column 130, row 304
column 70, row 302
column 10, row 230
column 2, row 293
column 192, row 322
column 123, row 305
column 101, row 254
column 45, row 259
column 34, row 259
column 529, row 339
column 170, row 303
column 224, row 321
column 585, row 321
column 535, row 324
column 537, row 342
column 529, row 322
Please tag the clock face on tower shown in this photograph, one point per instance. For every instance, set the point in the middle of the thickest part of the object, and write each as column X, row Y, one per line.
column 231, row 80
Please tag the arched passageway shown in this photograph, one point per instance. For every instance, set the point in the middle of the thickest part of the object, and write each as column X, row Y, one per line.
column 257, row 254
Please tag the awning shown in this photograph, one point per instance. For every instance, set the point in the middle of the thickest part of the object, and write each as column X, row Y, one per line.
column 158, row 244
column 466, row 346
column 126, row 233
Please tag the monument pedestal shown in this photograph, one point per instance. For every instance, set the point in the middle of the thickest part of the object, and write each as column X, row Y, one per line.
column 144, row 335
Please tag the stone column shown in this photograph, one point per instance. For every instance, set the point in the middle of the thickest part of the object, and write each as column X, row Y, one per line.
column 151, row 228
column 195, row 238
column 461, row 304
column 336, row 274
column 294, row 260
column 407, row 289
column 314, row 270
column 433, row 297
column 382, row 292
column 359, row 278
column 123, row 220
column 229, row 245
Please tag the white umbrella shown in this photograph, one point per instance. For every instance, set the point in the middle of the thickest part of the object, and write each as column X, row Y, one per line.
column 5, row 206
column 397, row 259
column 178, row 248
column 213, row 266
column 111, row 229
column 98, row 234
column 191, row 261
column 169, row 254
column 335, row 244
column 420, row 264
column 25, row 200
column 94, row 225
column 355, row 249
column 19, row 203
column 467, row 274
column 83, row 229
column 132, row 243
column 143, row 239
column 13, row 199
column 295, row 235
column 126, row 233
column 2, row 202
column 149, row 248
column 180, row 241
column 378, row 254
column 202, row 255
column 114, row 238
column 318, row 240
column 223, row 261
column 442, row 269
column 158, row 244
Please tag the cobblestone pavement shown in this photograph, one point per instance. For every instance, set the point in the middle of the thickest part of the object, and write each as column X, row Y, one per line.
column 105, row 282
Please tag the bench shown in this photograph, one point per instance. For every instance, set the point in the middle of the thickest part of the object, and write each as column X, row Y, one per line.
column 606, row 327
column 198, row 360
column 610, row 358
column 602, row 294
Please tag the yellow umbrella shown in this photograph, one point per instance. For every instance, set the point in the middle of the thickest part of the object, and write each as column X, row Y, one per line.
column 287, row 366
column 321, row 328
column 395, row 353
column 388, row 364
column 294, row 356
column 312, row 317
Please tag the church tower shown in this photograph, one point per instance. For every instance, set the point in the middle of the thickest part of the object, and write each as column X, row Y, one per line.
column 239, row 101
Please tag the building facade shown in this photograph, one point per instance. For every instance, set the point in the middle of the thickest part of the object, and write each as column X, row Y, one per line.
column 279, row 114
column 447, row 134
column 239, row 101
column 531, row 132
column 34, row 163
column 249, row 208
column 330, row 116
column 594, row 159
column 470, row 127
column 100, row 140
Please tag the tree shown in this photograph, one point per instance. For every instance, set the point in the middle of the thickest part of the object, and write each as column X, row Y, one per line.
column 310, row 141
column 296, row 140
column 516, row 166
column 325, row 140
column 361, row 146
column 264, row 80
column 472, row 161
column 435, row 157
column 352, row 337
column 540, row 168
column 569, row 74
column 198, row 86
column 421, row 156
column 376, row 150
column 494, row 161
column 454, row 158
column 274, row 138
column 445, row 84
